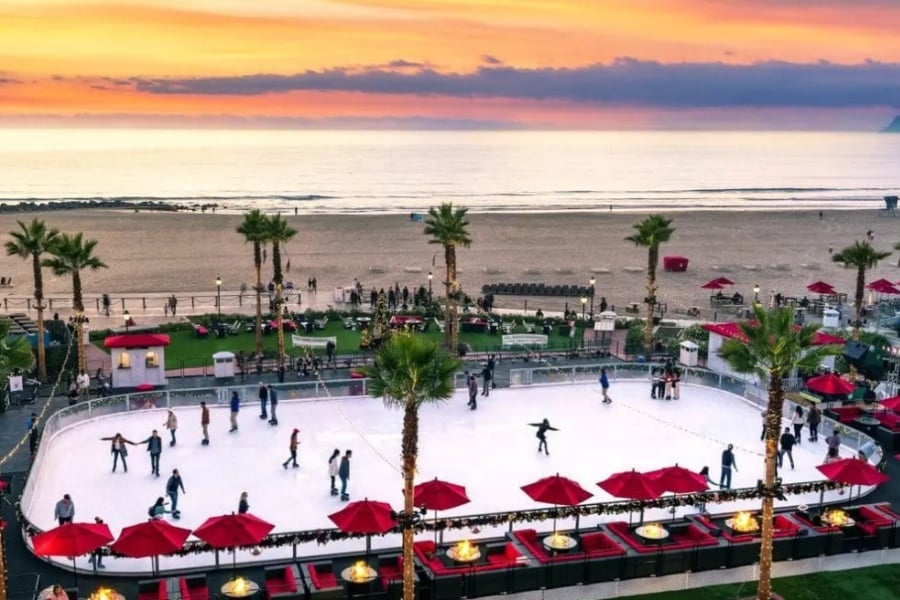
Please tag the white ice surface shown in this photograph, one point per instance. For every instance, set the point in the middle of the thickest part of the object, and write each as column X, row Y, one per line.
column 492, row 451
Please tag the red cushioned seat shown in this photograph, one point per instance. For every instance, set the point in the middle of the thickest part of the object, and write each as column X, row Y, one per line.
column 322, row 576
column 888, row 510
column 390, row 569
column 280, row 581
column 847, row 414
column 152, row 590
column 194, row 588
column 888, row 419
column 870, row 521
column 600, row 544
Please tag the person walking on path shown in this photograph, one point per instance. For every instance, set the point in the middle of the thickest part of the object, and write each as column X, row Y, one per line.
column 172, row 425
column 172, row 486
column 243, row 505
column 118, row 449
column 729, row 464
column 333, row 470
column 797, row 420
column 543, row 428
column 473, row 392
column 813, row 418
column 344, row 474
column 204, row 423
column 293, row 448
column 235, row 409
column 787, row 445
column 84, row 384
column 273, row 405
column 154, row 447
column 263, row 401
column 604, row 386
column 65, row 510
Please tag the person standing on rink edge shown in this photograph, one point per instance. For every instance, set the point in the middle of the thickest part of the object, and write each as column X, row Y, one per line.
column 333, row 463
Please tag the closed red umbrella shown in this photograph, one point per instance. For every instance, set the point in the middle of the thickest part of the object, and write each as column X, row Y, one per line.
column 150, row 539
column 820, row 287
column 439, row 495
column 231, row 531
column 633, row 486
column 72, row 539
column 830, row 384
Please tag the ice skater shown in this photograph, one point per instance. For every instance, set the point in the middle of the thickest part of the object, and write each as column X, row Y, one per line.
column 473, row 392
column 243, row 504
column 486, row 375
column 64, row 511
column 158, row 510
column 333, row 469
column 604, row 386
column 543, row 428
column 204, row 423
column 293, row 447
column 118, row 449
column 263, row 401
column 273, row 405
column 235, row 406
column 729, row 464
column 154, row 447
column 172, row 486
column 344, row 474
column 172, row 425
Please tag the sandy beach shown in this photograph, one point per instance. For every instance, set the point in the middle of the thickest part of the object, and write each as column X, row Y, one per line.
column 183, row 253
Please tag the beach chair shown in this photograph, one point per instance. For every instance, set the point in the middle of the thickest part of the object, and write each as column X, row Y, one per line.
column 321, row 323
column 529, row 327
column 439, row 324
column 234, row 328
column 507, row 327
column 349, row 323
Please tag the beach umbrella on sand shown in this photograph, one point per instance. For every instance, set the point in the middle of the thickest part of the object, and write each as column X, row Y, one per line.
column 557, row 490
column 439, row 495
column 632, row 486
column 830, row 384
column 713, row 285
column 72, row 540
column 821, row 287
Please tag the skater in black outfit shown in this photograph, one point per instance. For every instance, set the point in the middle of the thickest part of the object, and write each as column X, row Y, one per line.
column 273, row 405
column 243, row 505
column 487, row 375
column 172, row 487
column 154, row 447
column 333, row 469
column 263, row 400
column 543, row 428
column 293, row 448
column 473, row 392
column 344, row 474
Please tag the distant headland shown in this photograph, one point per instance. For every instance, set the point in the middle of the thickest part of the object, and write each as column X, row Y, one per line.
column 111, row 204
column 894, row 127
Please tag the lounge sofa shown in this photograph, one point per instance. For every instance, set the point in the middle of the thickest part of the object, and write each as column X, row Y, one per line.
column 529, row 539
column 189, row 588
column 323, row 583
column 283, row 583
column 154, row 589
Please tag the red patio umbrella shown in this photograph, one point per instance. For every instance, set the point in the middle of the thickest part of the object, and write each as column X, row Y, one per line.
column 892, row 403
column 633, row 486
column 723, row 281
column 151, row 539
column 820, row 287
column 557, row 490
column 883, row 286
column 712, row 285
column 830, row 384
column 72, row 539
column 852, row 471
column 678, row 480
column 439, row 495
column 231, row 531
column 365, row 516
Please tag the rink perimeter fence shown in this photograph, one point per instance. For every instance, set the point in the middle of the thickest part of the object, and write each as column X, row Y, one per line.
column 312, row 391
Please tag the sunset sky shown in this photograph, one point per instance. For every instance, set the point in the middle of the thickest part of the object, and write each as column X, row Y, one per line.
column 444, row 63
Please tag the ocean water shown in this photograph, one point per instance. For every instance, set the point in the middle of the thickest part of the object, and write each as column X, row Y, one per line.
column 390, row 171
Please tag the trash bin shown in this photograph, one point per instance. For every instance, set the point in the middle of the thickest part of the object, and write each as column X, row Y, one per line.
column 831, row 318
column 689, row 355
column 223, row 364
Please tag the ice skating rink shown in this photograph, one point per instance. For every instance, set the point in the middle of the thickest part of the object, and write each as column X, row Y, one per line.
column 491, row 451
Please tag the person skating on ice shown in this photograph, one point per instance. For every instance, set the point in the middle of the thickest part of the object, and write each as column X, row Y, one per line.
column 293, row 447
column 604, row 386
column 235, row 406
column 154, row 447
column 172, row 486
column 344, row 474
column 263, row 401
column 118, row 449
column 486, row 375
column 473, row 392
column 172, row 425
column 204, row 423
column 243, row 504
column 543, row 428
column 158, row 510
column 333, row 464
column 273, row 405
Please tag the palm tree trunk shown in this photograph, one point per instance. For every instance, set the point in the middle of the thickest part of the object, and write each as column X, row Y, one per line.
column 257, row 262
column 410, row 453
column 279, row 291
column 773, row 429
column 78, row 303
column 651, row 298
column 39, row 306
column 860, row 294
column 450, row 314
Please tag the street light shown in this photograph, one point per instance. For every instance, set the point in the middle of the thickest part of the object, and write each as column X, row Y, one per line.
column 756, row 294
column 592, row 281
column 430, row 277
column 583, row 305
column 219, row 296
column 127, row 317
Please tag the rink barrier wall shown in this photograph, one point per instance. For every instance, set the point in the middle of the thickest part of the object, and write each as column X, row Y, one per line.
column 311, row 391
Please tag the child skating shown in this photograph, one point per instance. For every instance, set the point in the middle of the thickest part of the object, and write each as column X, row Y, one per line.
column 543, row 428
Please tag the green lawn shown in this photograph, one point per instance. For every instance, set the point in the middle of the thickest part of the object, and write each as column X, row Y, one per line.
column 873, row 583
column 187, row 350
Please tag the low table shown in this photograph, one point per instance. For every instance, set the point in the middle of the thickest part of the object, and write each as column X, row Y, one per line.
column 559, row 542
column 453, row 555
column 350, row 576
column 866, row 422
column 656, row 535
column 231, row 589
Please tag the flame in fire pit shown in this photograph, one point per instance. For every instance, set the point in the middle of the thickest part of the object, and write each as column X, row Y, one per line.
column 744, row 522
column 654, row 531
column 104, row 594
column 466, row 551
column 359, row 571
column 837, row 517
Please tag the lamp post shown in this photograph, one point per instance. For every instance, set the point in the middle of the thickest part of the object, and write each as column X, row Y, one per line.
column 583, row 306
column 219, row 296
column 127, row 317
column 592, row 282
column 756, row 294
column 430, row 277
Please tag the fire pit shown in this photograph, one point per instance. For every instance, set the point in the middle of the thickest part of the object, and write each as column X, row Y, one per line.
column 464, row 552
column 743, row 522
column 653, row 532
column 359, row 572
column 838, row 518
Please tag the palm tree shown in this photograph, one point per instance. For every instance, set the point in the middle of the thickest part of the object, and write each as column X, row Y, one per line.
column 71, row 254
column 408, row 372
column 649, row 234
column 15, row 356
column 863, row 257
column 278, row 233
column 31, row 241
column 772, row 348
column 254, row 230
column 448, row 227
